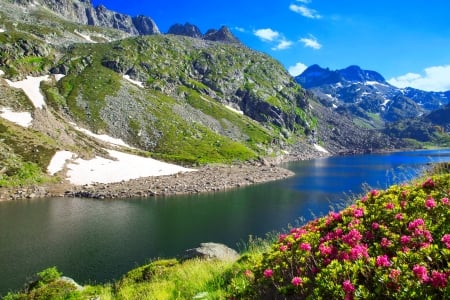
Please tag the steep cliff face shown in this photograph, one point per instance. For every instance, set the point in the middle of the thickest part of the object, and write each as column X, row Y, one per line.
column 83, row 12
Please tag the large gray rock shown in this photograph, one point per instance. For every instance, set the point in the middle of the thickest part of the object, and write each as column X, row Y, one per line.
column 212, row 251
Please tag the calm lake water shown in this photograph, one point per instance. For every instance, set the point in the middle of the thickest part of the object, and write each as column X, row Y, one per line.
column 95, row 241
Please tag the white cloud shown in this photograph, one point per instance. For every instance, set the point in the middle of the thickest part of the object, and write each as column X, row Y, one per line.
column 311, row 42
column 436, row 78
column 240, row 29
column 297, row 69
column 304, row 1
column 267, row 34
column 283, row 44
column 305, row 11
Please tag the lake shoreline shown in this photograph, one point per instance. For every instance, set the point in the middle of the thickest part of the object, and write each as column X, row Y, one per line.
column 210, row 178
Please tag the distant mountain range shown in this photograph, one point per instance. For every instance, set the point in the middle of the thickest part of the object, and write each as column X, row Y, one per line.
column 367, row 96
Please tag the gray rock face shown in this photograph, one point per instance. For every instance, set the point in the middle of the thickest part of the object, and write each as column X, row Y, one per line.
column 187, row 30
column 223, row 35
column 82, row 11
column 212, row 251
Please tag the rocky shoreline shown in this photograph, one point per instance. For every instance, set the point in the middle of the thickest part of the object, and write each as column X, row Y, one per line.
column 205, row 179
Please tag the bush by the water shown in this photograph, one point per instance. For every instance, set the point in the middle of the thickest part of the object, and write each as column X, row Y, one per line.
column 392, row 244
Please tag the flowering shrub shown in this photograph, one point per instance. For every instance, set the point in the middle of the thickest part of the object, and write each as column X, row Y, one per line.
column 393, row 244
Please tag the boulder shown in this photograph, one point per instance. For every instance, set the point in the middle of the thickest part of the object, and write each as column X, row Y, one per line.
column 211, row 251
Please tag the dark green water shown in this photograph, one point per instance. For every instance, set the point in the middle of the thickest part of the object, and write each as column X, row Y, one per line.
column 97, row 240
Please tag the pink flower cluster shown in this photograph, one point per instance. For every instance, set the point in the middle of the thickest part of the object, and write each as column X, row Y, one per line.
column 429, row 183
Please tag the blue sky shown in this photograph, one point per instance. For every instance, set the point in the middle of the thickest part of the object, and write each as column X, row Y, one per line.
column 408, row 42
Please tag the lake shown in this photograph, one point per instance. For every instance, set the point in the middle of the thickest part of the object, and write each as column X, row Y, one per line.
column 95, row 241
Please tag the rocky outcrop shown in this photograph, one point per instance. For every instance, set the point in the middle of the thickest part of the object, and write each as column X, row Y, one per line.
column 83, row 12
column 210, row 251
column 223, row 35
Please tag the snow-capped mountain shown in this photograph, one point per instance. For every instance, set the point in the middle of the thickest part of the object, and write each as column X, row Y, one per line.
column 367, row 96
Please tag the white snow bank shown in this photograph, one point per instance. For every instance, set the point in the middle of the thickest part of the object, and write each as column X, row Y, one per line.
column 138, row 83
column 126, row 167
column 59, row 161
column 31, row 88
column 320, row 148
column 102, row 137
column 86, row 37
column 23, row 119
column 235, row 110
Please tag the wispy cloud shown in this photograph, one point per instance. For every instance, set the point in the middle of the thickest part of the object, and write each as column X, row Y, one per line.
column 305, row 11
column 274, row 37
column 267, row 34
column 297, row 69
column 436, row 78
column 304, row 1
column 311, row 42
column 283, row 44
column 240, row 29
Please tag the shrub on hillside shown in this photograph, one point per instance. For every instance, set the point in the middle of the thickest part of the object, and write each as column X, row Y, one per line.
column 393, row 244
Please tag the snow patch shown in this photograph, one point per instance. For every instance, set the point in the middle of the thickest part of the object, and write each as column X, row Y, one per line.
column 2, row 30
column 23, row 119
column 138, row 83
column 102, row 137
column 2, row 73
column 235, row 110
column 125, row 167
column 86, row 37
column 31, row 88
column 320, row 148
column 59, row 161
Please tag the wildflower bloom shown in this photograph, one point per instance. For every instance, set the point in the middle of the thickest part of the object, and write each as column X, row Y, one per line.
column 430, row 203
column 268, row 273
column 283, row 248
column 445, row 201
column 446, row 240
column 421, row 273
column 390, row 206
column 305, row 246
column 296, row 281
column 429, row 183
column 385, row 242
column 394, row 274
column 403, row 204
column 399, row 216
column 438, row 279
column 383, row 261
column 364, row 199
column 374, row 193
column 359, row 251
column 375, row 225
column 352, row 237
column 405, row 239
column 358, row 213
column 348, row 287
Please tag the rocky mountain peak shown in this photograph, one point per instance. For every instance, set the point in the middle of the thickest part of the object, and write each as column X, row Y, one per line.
column 187, row 30
column 356, row 74
column 223, row 35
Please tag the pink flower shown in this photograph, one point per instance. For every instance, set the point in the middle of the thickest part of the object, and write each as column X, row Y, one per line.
column 385, row 242
column 438, row 280
column 445, row 201
column 325, row 250
column 394, row 274
column 375, row 225
column 446, row 240
column 358, row 213
column 281, row 237
column 390, row 206
column 429, row 183
column 364, row 199
column 374, row 193
column 399, row 217
column 248, row 273
column 430, row 203
column 421, row 273
column 305, row 246
column 403, row 204
column 415, row 224
column 348, row 287
column 268, row 273
column 296, row 281
column 283, row 248
column 383, row 261
column 352, row 237
column 405, row 239
column 359, row 251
